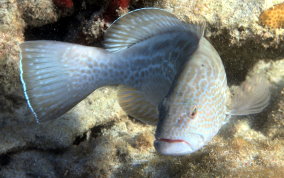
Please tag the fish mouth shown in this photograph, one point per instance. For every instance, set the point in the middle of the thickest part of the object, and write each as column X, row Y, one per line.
column 173, row 147
column 173, row 140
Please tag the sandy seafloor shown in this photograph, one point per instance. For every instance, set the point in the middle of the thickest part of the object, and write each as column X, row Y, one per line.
column 97, row 138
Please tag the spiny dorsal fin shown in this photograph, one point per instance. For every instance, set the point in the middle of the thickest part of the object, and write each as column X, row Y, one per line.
column 144, row 23
column 135, row 104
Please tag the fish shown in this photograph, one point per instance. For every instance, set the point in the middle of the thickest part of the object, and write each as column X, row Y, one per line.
column 198, row 104
column 145, row 49
column 201, row 103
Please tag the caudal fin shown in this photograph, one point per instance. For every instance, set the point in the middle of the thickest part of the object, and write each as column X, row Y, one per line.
column 251, row 97
column 55, row 76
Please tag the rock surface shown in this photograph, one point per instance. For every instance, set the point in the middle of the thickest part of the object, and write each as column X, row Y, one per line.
column 97, row 139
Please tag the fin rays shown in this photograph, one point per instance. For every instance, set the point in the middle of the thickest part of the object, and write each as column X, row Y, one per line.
column 144, row 23
column 135, row 104
column 46, row 77
column 251, row 97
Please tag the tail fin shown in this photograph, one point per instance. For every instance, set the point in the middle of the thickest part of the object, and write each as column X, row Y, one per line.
column 55, row 76
column 251, row 97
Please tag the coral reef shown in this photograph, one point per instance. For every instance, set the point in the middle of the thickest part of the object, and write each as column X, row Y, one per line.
column 97, row 138
column 274, row 126
column 11, row 33
column 38, row 13
column 238, row 20
column 98, row 108
column 273, row 17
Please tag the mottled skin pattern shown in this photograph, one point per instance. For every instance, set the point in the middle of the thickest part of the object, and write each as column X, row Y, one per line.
column 156, row 59
column 196, row 109
column 150, row 66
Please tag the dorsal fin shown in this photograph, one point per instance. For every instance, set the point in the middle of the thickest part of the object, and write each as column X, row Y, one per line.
column 144, row 23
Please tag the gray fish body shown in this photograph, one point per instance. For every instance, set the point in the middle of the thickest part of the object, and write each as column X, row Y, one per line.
column 56, row 75
column 156, row 62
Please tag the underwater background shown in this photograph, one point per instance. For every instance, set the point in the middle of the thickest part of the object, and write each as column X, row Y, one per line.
column 97, row 138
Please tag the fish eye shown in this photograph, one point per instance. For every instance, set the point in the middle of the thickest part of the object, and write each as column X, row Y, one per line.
column 193, row 113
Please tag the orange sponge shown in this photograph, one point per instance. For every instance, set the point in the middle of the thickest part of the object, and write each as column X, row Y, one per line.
column 273, row 17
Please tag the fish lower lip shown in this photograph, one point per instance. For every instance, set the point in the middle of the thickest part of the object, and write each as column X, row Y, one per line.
column 172, row 147
column 173, row 140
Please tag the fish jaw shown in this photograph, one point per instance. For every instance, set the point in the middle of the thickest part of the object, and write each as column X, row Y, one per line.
column 172, row 147
column 179, row 147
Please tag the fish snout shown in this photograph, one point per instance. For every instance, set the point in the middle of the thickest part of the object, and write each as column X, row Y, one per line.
column 173, row 147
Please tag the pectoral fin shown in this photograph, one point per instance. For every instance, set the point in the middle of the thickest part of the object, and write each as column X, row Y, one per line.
column 135, row 104
column 251, row 97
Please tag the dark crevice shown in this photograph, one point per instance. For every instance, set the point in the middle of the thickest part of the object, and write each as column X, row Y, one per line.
column 80, row 139
column 97, row 131
column 58, row 151
column 66, row 27
column 238, row 60
column 122, row 155
column 54, row 31
column 4, row 160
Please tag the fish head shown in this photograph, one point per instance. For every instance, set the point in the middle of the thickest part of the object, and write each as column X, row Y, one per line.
column 195, row 108
column 184, row 128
